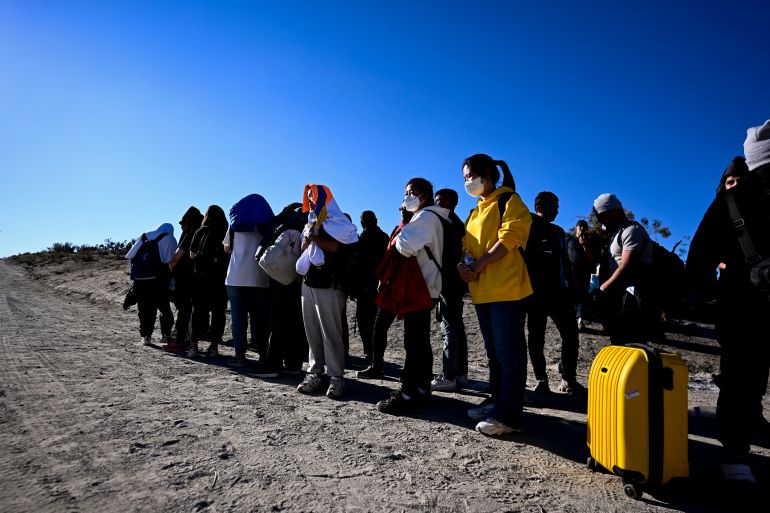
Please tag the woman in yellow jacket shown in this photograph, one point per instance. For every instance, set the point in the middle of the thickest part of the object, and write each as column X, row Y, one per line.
column 496, row 233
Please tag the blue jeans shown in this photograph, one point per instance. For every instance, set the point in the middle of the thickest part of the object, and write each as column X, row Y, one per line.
column 502, row 326
column 249, row 306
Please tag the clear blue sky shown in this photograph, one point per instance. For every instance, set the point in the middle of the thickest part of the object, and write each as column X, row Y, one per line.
column 116, row 116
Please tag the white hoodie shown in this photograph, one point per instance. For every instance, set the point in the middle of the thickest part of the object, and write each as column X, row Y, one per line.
column 166, row 246
column 425, row 229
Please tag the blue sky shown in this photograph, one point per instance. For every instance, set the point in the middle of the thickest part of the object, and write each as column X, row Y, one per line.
column 116, row 116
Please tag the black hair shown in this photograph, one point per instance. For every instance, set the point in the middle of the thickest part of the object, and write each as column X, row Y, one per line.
column 192, row 217
column 582, row 223
column 449, row 194
column 369, row 216
column 486, row 167
column 546, row 197
column 424, row 186
column 216, row 220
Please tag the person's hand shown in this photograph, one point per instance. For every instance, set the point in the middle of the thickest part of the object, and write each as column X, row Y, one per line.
column 306, row 242
column 466, row 272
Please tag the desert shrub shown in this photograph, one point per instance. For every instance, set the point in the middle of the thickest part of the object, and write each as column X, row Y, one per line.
column 62, row 247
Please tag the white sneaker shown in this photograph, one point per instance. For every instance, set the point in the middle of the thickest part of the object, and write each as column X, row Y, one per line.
column 493, row 427
column 146, row 341
column 336, row 388
column 737, row 473
column 581, row 325
column 481, row 411
column 443, row 385
column 310, row 384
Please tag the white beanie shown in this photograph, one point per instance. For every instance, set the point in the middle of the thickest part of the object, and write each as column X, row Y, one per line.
column 607, row 202
column 756, row 147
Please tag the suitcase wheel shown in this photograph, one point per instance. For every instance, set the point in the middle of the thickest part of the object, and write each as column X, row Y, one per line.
column 591, row 464
column 632, row 490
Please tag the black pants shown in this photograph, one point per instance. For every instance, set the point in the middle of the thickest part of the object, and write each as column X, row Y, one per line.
column 743, row 332
column 418, row 362
column 184, row 304
column 152, row 296
column 209, row 307
column 288, row 343
column 629, row 318
column 366, row 313
column 382, row 322
column 455, row 355
column 559, row 307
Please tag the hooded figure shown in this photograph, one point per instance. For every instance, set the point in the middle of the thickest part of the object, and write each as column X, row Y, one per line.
column 743, row 310
column 325, row 238
column 166, row 246
column 151, row 288
column 182, row 272
column 735, row 171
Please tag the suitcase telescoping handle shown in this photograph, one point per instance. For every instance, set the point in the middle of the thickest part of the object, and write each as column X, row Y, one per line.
column 657, row 381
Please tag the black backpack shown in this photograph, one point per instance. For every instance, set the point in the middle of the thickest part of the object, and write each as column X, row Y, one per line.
column 668, row 280
column 146, row 264
column 210, row 257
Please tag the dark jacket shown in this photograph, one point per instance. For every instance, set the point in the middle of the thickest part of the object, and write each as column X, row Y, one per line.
column 548, row 264
column 716, row 239
column 372, row 244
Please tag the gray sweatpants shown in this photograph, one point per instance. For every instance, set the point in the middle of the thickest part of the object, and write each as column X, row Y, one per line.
column 322, row 313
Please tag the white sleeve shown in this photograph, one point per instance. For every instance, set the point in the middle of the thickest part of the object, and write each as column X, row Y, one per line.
column 417, row 234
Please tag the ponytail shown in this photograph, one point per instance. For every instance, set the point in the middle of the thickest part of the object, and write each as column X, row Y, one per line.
column 486, row 167
column 507, row 176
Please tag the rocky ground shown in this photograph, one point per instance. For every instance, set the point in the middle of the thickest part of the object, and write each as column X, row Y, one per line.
column 92, row 421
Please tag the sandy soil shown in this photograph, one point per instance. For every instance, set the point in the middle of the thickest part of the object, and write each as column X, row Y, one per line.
column 92, row 421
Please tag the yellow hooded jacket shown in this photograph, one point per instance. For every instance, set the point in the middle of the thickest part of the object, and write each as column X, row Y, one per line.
column 505, row 279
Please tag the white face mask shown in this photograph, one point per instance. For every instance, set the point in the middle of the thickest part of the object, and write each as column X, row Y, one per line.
column 474, row 187
column 411, row 203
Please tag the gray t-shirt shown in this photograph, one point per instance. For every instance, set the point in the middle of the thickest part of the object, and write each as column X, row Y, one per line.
column 634, row 238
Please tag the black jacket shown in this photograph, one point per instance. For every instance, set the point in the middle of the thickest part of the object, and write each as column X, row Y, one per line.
column 716, row 239
column 548, row 264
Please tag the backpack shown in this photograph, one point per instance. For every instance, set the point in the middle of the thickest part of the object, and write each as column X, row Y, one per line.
column 403, row 287
column 451, row 283
column 668, row 281
column 350, row 273
column 280, row 258
column 146, row 264
column 210, row 257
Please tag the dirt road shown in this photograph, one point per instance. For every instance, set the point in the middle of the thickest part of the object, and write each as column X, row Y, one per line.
column 92, row 421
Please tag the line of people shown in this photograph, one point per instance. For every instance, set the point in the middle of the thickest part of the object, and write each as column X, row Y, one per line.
column 517, row 266
column 431, row 260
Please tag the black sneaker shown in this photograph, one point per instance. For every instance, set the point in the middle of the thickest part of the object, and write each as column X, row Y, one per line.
column 264, row 371
column 291, row 371
column 397, row 404
column 239, row 362
column 370, row 373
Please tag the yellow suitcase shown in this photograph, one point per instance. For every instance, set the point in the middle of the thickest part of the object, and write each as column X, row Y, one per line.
column 637, row 416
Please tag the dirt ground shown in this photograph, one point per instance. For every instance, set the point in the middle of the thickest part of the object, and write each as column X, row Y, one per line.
column 90, row 420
